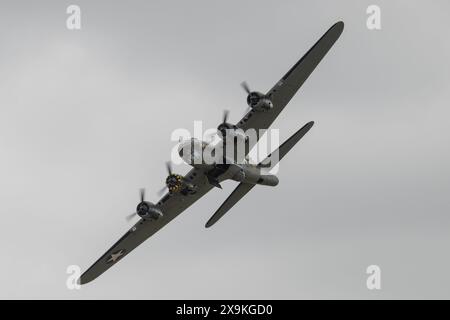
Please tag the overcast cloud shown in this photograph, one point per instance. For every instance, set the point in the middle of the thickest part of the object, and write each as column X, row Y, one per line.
column 86, row 118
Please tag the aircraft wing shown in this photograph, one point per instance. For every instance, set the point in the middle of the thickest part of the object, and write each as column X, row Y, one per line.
column 285, row 89
column 170, row 205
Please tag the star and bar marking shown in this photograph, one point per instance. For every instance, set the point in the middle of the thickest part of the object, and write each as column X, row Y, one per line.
column 115, row 256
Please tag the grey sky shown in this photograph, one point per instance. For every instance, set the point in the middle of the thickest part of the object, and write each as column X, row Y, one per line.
column 86, row 117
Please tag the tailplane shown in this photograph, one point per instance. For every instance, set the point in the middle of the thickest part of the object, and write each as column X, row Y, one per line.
column 272, row 159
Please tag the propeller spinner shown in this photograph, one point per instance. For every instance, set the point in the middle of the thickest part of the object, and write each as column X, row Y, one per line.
column 145, row 209
column 174, row 182
column 256, row 100
column 225, row 125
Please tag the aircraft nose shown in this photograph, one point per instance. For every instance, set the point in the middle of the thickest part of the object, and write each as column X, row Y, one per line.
column 182, row 148
column 185, row 151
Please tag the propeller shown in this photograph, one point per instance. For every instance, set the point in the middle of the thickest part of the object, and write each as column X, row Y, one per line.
column 224, row 125
column 142, row 197
column 130, row 216
column 169, row 167
column 169, row 172
column 226, row 113
column 245, row 86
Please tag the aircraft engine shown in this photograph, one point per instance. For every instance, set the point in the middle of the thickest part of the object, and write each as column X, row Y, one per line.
column 258, row 101
column 231, row 132
column 177, row 183
column 228, row 130
column 148, row 210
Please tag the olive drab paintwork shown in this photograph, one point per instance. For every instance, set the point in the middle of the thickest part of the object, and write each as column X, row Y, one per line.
column 186, row 190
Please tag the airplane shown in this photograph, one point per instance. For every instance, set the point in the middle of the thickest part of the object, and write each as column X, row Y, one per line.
column 183, row 191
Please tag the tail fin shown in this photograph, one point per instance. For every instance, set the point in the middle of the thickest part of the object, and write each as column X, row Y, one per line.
column 243, row 188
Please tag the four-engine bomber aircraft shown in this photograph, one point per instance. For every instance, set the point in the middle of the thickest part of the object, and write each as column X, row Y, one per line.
column 183, row 191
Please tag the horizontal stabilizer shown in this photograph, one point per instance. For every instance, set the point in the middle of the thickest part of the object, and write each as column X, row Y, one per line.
column 241, row 190
column 276, row 156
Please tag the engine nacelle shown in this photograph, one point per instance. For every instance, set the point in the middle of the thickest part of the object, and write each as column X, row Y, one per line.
column 230, row 131
column 148, row 210
column 259, row 102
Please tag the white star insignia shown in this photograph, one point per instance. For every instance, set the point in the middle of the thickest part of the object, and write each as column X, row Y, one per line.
column 115, row 256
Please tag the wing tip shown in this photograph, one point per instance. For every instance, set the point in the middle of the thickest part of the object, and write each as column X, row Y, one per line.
column 84, row 279
column 340, row 24
column 339, row 27
column 81, row 281
column 307, row 126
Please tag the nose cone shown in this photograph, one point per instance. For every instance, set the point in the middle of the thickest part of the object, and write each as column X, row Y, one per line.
column 185, row 151
column 191, row 151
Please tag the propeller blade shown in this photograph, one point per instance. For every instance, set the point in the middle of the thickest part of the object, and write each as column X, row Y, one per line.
column 225, row 115
column 169, row 167
column 142, row 193
column 245, row 86
column 130, row 216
